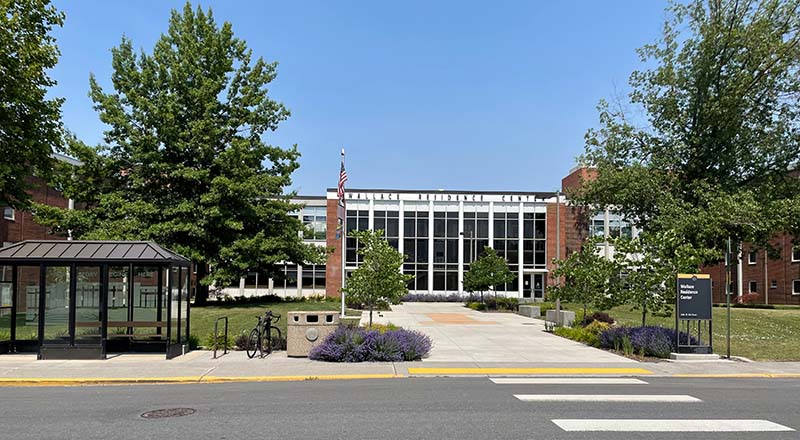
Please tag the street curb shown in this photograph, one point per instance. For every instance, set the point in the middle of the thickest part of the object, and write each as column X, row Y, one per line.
column 83, row 381
column 740, row 376
column 456, row 372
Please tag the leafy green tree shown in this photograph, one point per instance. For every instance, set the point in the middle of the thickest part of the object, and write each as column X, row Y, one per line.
column 708, row 157
column 587, row 277
column 487, row 272
column 30, row 123
column 185, row 162
column 649, row 275
column 378, row 280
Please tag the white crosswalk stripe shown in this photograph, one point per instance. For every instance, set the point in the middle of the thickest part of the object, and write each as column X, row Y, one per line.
column 673, row 425
column 566, row 381
column 631, row 425
column 679, row 398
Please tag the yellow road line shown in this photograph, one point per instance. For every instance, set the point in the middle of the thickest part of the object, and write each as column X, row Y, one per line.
column 741, row 376
column 516, row 371
column 69, row 381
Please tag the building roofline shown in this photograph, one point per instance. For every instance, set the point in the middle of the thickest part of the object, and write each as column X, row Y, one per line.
column 448, row 191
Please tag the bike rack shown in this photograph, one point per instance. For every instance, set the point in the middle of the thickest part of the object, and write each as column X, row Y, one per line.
column 216, row 336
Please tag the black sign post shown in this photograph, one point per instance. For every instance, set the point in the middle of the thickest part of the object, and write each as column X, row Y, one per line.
column 693, row 314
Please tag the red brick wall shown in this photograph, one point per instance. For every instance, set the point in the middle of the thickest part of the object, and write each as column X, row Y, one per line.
column 333, row 268
column 23, row 227
column 782, row 270
column 577, row 177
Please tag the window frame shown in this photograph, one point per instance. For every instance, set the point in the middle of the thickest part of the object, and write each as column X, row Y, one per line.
column 12, row 217
column 750, row 286
column 795, row 285
column 752, row 257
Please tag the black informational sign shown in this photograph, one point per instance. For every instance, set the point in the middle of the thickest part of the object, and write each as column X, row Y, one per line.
column 694, row 297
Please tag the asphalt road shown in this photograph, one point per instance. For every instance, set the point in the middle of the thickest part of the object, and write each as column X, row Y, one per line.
column 415, row 408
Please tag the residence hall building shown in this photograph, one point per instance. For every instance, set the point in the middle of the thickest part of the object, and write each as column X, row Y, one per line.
column 441, row 232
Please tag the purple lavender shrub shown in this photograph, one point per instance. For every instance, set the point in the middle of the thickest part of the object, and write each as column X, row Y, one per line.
column 353, row 344
column 651, row 340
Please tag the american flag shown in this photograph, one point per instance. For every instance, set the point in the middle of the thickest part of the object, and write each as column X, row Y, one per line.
column 342, row 180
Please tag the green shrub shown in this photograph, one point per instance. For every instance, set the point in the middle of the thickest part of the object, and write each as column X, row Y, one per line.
column 597, row 327
column 579, row 334
column 383, row 328
column 193, row 342
column 240, row 341
column 545, row 306
column 222, row 341
column 476, row 306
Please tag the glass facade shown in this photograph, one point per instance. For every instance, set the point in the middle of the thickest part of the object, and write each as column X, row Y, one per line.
column 416, row 219
column 357, row 220
column 441, row 234
column 445, row 248
column 506, row 240
column 476, row 231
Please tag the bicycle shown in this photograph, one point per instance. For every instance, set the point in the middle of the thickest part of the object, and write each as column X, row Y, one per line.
column 261, row 340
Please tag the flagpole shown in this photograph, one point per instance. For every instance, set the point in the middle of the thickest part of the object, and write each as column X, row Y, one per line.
column 344, row 235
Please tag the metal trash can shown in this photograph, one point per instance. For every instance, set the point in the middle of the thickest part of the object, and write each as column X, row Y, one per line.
column 305, row 330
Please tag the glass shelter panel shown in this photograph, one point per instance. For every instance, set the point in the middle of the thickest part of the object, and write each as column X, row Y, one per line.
column 117, row 300
column 6, row 301
column 174, row 304
column 184, row 305
column 146, row 316
column 56, row 305
column 87, row 305
column 27, row 322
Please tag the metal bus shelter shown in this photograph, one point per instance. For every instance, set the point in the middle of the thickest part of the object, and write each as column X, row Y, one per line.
column 86, row 299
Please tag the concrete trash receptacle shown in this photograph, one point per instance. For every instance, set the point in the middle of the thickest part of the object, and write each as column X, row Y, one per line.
column 305, row 330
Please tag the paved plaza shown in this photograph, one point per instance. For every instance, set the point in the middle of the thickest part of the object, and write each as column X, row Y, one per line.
column 460, row 334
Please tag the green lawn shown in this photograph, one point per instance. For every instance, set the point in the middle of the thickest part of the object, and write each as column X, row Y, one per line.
column 243, row 317
column 758, row 334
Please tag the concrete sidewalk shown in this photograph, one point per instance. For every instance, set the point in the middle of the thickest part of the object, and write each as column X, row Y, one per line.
column 200, row 367
column 463, row 335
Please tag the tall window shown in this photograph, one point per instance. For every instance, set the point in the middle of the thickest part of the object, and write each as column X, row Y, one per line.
column 506, row 242
column 533, row 240
column 796, row 287
column 314, row 218
column 445, row 251
column 357, row 220
column 313, row 277
column 617, row 226
column 752, row 256
column 796, row 253
column 389, row 223
column 415, row 247
column 476, row 231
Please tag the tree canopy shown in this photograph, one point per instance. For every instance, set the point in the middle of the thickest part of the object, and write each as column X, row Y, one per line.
column 487, row 272
column 378, row 280
column 30, row 123
column 587, row 277
column 707, row 140
column 184, row 160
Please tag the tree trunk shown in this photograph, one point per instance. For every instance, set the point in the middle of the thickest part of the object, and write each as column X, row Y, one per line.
column 644, row 313
column 584, row 313
column 201, row 290
column 370, row 316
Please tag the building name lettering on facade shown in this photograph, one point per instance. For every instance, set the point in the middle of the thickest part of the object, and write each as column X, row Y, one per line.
column 442, row 197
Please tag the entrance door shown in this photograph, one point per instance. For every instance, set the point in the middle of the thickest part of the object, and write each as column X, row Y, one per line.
column 538, row 285
column 526, row 286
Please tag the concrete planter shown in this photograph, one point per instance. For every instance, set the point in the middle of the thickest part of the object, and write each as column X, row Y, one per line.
column 530, row 311
column 567, row 318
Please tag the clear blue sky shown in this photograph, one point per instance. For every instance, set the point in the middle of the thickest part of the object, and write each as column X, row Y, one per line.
column 423, row 95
